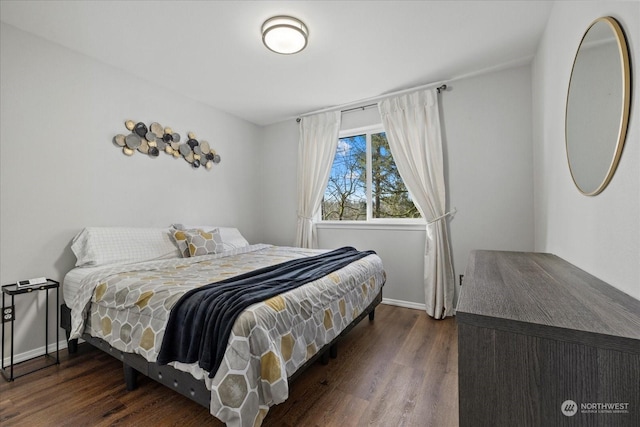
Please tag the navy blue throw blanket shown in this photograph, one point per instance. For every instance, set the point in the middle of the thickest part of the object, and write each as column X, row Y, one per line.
column 200, row 323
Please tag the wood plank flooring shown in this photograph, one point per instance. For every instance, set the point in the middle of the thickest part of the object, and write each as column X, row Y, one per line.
column 399, row 370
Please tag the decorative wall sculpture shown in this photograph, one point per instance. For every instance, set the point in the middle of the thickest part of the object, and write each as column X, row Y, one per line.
column 153, row 139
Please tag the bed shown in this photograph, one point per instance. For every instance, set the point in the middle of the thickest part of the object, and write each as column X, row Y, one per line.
column 121, row 294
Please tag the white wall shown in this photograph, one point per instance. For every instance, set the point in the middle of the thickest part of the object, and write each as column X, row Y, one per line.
column 599, row 234
column 487, row 128
column 488, row 157
column 61, row 172
column 278, row 153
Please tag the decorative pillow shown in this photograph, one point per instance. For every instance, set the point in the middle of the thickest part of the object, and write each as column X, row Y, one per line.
column 96, row 246
column 180, row 237
column 202, row 242
column 196, row 241
column 231, row 237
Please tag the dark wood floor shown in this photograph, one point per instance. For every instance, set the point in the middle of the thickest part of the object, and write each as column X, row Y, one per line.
column 399, row 370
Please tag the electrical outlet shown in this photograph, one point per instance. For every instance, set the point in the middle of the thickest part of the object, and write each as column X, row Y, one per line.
column 8, row 314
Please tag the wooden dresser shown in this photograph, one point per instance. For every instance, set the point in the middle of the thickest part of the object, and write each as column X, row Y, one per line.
column 543, row 343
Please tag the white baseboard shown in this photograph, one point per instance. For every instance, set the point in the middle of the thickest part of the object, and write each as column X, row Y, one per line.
column 405, row 304
column 21, row 357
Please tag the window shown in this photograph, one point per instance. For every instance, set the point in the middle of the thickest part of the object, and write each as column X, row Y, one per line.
column 364, row 183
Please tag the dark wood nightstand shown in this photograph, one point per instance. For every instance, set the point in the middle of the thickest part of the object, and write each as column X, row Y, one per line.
column 8, row 316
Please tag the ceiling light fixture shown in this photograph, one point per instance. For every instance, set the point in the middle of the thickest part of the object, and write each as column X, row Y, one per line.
column 284, row 34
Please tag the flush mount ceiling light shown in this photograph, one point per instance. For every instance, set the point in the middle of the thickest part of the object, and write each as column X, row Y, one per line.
column 284, row 34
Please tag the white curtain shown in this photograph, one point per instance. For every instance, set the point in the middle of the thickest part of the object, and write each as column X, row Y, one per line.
column 412, row 124
column 316, row 151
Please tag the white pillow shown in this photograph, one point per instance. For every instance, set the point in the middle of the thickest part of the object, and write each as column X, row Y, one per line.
column 95, row 246
column 231, row 237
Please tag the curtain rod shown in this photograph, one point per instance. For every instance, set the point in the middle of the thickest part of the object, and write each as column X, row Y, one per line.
column 376, row 98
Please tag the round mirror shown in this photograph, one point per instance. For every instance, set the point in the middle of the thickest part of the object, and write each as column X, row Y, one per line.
column 598, row 106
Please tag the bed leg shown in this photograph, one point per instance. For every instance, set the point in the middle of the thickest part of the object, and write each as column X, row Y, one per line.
column 372, row 314
column 130, row 375
column 65, row 323
column 333, row 351
column 325, row 358
column 72, row 345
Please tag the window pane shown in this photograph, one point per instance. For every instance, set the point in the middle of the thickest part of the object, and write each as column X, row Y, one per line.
column 345, row 198
column 389, row 196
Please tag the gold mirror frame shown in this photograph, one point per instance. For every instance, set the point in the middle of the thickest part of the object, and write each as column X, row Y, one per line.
column 625, row 71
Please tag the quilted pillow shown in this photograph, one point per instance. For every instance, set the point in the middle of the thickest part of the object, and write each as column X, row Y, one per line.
column 96, row 246
column 202, row 242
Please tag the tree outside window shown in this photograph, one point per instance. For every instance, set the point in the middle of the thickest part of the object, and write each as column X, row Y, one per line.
column 352, row 194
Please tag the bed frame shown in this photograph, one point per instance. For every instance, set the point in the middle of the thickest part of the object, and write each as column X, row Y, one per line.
column 183, row 382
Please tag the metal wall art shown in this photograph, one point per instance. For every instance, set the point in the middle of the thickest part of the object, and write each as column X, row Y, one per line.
column 153, row 139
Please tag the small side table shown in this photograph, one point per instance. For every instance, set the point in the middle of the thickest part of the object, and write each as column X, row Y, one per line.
column 8, row 315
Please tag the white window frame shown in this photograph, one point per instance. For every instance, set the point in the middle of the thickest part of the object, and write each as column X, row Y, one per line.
column 370, row 222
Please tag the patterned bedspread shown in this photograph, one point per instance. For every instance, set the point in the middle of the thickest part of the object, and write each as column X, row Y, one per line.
column 128, row 306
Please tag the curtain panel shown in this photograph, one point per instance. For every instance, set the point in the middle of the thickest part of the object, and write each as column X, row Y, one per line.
column 412, row 124
column 316, row 151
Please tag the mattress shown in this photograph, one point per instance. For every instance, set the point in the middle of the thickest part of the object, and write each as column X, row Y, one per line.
column 73, row 279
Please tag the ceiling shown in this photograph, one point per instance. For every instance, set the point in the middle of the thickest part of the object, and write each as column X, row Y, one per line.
column 212, row 51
